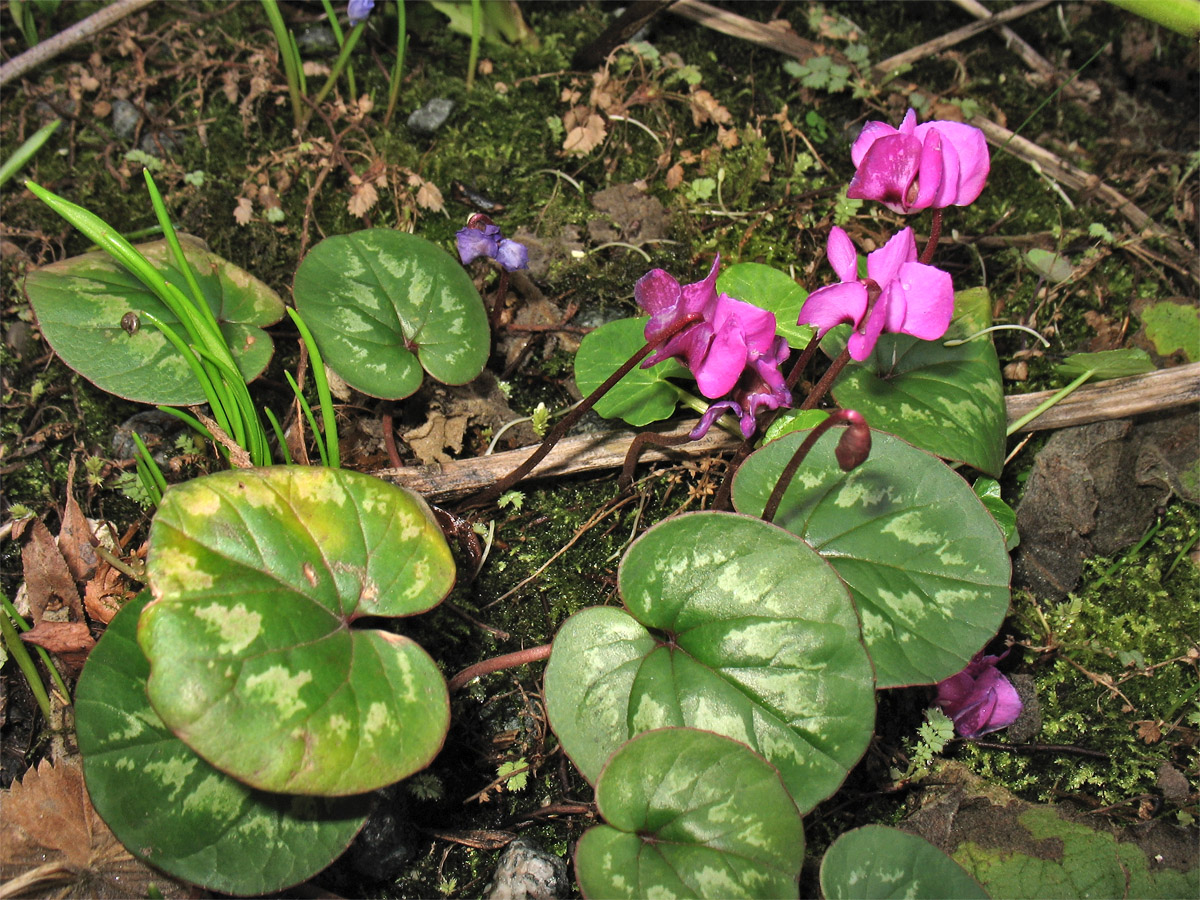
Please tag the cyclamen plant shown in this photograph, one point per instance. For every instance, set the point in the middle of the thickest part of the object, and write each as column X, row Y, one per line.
column 733, row 691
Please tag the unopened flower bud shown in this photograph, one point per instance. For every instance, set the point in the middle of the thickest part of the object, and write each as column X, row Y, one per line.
column 855, row 444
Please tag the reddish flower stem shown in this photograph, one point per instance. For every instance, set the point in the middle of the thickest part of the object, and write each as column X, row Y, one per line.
column 826, row 382
column 497, row 664
column 789, row 471
column 567, row 422
column 935, row 232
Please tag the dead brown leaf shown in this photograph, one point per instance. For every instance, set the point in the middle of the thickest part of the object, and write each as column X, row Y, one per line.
column 674, row 176
column 53, row 596
column 105, row 594
column 244, row 211
column 53, row 843
column 706, row 108
column 76, row 540
column 364, row 197
column 429, row 197
column 71, row 642
column 585, row 131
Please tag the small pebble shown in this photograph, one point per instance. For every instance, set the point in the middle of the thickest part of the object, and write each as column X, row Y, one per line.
column 125, row 118
column 526, row 872
column 430, row 117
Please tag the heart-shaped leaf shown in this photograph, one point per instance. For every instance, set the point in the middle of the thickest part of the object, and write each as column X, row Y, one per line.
column 947, row 400
column 257, row 660
column 878, row 863
column 220, row 833
column 643, row 395
column 734, row 626
column 923, row 559
column 772, row 289
column 80, row 303
column 691, row 814
column 384, row 305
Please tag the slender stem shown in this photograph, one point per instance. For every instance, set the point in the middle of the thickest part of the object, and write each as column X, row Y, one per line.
column 497, row 664
column 810, row 351
column 498, row 300
column 340, row 63
column 935, row 232
column 398, row 66
column 826, row 382
column 789, row 471
column 635, row 450
column 20, row 653
column 287, row 57
column 476, row 33
column 1041, row 408
column 567, row 422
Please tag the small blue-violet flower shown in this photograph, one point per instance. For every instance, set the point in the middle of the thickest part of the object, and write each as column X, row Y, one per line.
column 979, row 699
column 481, row 238
column 915, row 166
column 899, row 294
column 358, row 10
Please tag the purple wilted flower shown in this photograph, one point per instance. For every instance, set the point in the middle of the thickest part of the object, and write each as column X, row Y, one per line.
column 482, row 237
column 914, row 167
column 980, row 698
column 899, row 294
column 358, row 10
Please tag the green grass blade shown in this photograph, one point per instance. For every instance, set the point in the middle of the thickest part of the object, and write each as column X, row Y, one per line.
column 27, row 151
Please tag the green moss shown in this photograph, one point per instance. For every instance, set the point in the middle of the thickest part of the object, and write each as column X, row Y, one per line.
column 1130, row 632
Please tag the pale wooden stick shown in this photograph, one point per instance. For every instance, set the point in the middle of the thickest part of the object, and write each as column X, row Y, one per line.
column 80, row 31
column 732, row 24
column 1062, row 171
column 1115, row 399
column 929, row 48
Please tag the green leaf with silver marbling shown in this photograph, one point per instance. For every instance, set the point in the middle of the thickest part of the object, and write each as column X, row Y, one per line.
column 80, row 303
column 947, row 400
column 879, row 863
column 385, row 307
column 220, row 833
column 260, row 658
column 690, row 814
column 923, row 558
column 731, row 625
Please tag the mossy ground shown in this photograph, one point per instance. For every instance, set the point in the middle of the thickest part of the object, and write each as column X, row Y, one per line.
column 778, row 190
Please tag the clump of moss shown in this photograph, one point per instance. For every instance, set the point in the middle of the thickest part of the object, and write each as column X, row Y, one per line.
column 1116, row 672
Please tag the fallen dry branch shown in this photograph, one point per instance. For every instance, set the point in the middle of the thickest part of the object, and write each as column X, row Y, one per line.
column 937, row 45
column 781, row 40
column 80, row 31
column 1115, row 399
column 1071, row 176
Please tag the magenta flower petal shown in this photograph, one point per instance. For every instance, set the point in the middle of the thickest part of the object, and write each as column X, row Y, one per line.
column 971, row 152
column 862, row 340
column 887, row 171
column 871, row 132
column 720, row 365
column 842, row 253
column 884, row 264
column 979, row 699
column 929, row 306
column 833, row 305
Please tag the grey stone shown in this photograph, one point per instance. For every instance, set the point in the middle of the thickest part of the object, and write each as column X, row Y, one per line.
column 526, row 872
column 317, row 41
column 159, row 143
column 432, row 116
column 125, row 119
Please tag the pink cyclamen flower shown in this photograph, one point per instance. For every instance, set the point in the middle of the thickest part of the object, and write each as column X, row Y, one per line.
column 915, row 167
column 980, row 698
column 899, row 294
column 732, row 346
